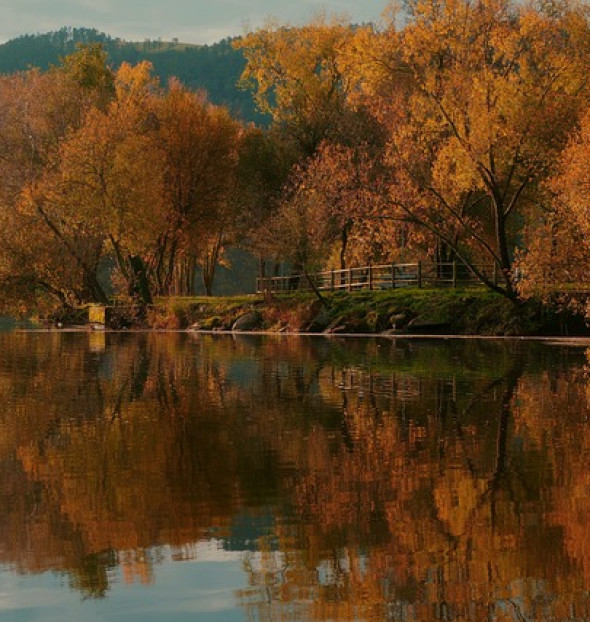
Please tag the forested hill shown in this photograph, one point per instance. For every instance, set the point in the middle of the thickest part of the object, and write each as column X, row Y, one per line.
column 215, row 68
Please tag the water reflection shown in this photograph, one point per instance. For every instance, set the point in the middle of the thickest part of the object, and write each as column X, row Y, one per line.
column 358, row 479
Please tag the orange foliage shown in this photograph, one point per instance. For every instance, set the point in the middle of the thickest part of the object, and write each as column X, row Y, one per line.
column 555, row 262
column 381, row 489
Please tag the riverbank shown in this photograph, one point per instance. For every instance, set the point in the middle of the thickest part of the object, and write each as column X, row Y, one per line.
column 408, row 311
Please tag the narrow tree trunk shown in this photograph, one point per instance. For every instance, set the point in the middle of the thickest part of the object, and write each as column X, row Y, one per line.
column 316, row 291
column 502, row 245
column 191, row 269
column 89, row 274
column 210, row 263
column 343, row 245
column 184, row 276
column 139, row 287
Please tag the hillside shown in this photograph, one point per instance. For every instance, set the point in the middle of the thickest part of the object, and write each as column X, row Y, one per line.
column 215, row 68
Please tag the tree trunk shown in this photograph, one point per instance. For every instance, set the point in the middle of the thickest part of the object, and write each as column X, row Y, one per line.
column 502, row 245
column 344, row 244
column 210, row 263
column 89, row 272
column 139, row 287
column 184, row 276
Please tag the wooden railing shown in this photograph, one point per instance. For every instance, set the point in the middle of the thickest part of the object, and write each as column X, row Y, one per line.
column 387, row 276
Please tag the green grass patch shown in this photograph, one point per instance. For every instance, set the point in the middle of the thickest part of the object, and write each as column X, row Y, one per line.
column 453, row 311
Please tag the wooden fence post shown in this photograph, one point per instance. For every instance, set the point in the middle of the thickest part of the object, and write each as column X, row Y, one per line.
column 371, row 276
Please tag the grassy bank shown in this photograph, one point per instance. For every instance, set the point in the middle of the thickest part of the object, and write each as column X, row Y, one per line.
column 419, row 311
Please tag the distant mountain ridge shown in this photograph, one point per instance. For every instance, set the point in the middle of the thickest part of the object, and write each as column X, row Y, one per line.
column 215, row 68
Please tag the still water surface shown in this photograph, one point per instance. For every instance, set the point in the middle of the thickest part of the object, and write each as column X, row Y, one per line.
column 177, row 477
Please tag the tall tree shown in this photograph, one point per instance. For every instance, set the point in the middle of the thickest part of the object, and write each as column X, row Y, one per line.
column 107, row 182
column 335, row 200
column 296, row 78
column 554, row 263
column 300, row 77
column 39, row 109
column 264, row 163
column 478, row 99
column 199, row 146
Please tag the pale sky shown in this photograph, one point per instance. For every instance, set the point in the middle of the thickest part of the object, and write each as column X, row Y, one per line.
column 191, row 21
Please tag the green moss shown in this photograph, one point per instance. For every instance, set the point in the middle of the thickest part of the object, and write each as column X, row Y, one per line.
column 452, row 311
column 211, row 323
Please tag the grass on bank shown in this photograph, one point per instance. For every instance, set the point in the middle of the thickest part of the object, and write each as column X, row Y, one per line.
column 453, row 311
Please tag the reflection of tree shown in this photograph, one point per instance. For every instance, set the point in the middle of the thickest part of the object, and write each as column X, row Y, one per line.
column 113, row 460
column 406, row 480
column 437, row 506
column 552, row 420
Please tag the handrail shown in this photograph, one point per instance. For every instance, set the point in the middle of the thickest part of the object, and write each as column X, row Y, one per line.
column 384, row 276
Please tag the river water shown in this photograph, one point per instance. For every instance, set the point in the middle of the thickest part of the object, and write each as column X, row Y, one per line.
column 167, row 477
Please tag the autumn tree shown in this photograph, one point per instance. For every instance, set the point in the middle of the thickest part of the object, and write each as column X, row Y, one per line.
column 264, row 163
column 107, row 184
column 295, row 76
column 478, row 100
column 330, row 209
column 554, row 264
column 39, row 255
column 298, row 77
column 199, row 147
column 99, row 167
